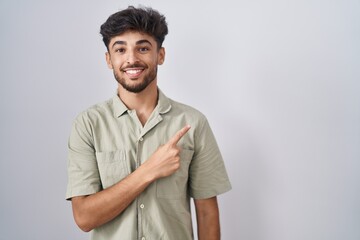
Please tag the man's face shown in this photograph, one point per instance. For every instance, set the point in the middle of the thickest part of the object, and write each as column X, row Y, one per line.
column 133, row 57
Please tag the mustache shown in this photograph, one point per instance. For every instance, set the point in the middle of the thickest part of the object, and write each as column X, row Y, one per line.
column 135, row 65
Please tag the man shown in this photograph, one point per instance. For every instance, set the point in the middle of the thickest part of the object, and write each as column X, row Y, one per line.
column 135, row 160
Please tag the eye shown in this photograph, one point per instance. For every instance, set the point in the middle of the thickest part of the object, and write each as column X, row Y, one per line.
column 143, row 49
column 120, row 50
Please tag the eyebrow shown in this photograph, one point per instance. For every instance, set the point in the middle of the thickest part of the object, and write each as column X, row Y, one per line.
column 137, row 43
column 143, row 41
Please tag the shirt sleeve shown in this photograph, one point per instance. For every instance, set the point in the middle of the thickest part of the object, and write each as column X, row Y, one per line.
column 83, row 173
column 207, row 174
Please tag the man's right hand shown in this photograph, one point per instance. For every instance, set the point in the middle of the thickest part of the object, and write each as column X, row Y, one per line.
column 166, row 159
column 97, row 209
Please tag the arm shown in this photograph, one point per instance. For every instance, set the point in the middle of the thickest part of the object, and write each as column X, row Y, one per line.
column 99, row 208
column 207, row 215
column 96, row 209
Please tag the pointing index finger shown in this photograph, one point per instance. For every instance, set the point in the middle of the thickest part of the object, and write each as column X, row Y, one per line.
column 176, row 138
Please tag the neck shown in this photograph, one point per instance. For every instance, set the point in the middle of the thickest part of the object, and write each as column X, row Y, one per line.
column 143, row 102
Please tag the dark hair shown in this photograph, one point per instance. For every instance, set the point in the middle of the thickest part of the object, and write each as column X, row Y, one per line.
column 142, row 19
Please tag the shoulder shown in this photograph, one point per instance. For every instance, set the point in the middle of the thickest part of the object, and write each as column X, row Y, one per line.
column 184, row 113
column 96, row 112
column 189, row 111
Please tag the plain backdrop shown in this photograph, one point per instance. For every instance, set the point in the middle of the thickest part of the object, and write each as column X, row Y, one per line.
column 278, row 81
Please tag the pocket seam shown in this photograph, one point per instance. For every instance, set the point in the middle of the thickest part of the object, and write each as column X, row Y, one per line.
column 106, row 161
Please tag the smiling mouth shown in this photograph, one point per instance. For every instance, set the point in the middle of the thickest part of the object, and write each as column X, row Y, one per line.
column 133, row 72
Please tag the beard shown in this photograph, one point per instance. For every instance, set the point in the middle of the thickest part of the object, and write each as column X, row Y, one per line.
column 136, row 87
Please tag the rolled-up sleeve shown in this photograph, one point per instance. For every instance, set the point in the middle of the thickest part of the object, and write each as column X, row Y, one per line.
column 83, row 173
column 207, row 176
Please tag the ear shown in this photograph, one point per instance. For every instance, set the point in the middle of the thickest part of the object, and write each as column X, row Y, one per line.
column 108, row 60
column 161, row 56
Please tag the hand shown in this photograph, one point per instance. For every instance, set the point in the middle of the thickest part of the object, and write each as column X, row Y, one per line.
column 166, row 159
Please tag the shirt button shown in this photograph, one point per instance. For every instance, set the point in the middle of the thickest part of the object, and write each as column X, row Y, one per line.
column 141, row 139
column 142, row 206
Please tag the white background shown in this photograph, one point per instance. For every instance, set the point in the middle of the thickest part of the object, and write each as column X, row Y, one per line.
column 278, row 81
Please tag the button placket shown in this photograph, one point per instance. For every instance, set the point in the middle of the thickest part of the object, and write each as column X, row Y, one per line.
column 141, row 206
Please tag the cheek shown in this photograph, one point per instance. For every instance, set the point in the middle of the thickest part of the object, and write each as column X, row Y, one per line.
column 117, row 63
column 154, row 60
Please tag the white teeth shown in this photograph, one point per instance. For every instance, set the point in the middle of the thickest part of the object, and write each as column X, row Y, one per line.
column 133, row 71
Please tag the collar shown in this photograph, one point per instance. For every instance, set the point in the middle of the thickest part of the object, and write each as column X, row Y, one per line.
column 163, row 106
column 118, row 106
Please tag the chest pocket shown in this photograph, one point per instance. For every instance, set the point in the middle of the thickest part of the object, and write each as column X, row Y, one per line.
column 113, row 167
column 175, row 185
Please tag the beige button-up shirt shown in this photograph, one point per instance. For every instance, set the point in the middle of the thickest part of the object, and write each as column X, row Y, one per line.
column 108, row 142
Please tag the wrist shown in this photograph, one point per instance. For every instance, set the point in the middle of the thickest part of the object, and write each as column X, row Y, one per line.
column 146, row 174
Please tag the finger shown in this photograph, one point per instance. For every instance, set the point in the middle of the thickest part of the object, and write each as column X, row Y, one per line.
column 176, row 138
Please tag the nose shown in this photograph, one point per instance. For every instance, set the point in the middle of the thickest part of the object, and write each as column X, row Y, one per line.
column 132, row 57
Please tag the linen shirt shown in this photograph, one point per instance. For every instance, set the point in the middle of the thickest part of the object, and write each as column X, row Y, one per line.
column 108, row 142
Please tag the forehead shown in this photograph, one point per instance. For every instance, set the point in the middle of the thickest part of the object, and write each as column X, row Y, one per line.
column 132, row 38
